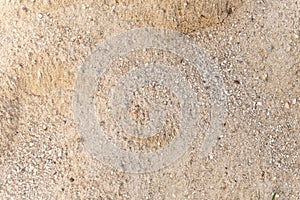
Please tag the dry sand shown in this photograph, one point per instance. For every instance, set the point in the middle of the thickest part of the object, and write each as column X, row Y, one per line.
column 255, row 45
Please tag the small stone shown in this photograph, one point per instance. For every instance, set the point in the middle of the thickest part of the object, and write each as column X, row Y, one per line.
column 287, row 105
column 71, row 153
column 44, row 127
column 270, row 47
column 40, row 15
column 85, row 6
column 265, row 77
column 24, row 9
column 259, row 103
column 294, row 101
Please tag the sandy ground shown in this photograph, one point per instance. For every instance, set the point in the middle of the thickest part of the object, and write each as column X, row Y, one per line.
column 255, row 45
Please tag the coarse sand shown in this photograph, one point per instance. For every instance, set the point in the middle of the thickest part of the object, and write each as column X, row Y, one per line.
column 255, row 46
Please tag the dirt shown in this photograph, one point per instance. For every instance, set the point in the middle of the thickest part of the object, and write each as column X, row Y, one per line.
column 255, row 46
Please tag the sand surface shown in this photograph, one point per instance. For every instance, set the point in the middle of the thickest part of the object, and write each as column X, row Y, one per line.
column 254, row 47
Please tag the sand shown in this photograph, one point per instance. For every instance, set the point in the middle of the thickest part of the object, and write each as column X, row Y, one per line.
column 254, row 47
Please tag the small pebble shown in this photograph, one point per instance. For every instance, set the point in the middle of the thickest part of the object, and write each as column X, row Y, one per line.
column 40, row 15
column 270, row 48
column 265, row 77
column 24, row 9
column 71, row 153
column 287, row 105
